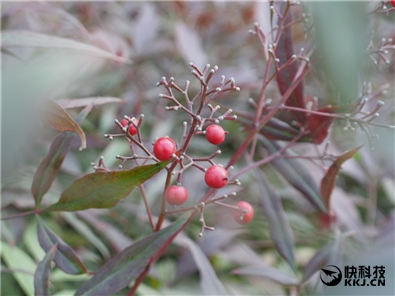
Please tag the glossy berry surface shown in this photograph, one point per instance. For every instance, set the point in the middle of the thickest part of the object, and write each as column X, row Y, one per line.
column 176, row 195
column 164, row 148
column 243, row 218
column 132, row 129
column 215, row 134
column 216, row 177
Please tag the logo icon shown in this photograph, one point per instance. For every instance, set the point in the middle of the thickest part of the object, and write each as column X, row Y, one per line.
column 331, row 275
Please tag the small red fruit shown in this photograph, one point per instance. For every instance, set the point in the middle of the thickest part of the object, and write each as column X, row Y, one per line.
column 176, row 195
column 132, row 129
column 215, row 134
column 216, row 177
column 243, row 218
column 164, row 148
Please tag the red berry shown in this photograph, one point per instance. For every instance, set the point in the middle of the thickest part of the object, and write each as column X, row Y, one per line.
column 132, row 129
column 393, row 3
column 216, row 177
column 176, row 195
column 164, row 148
column 243, row 218
column 215, row 134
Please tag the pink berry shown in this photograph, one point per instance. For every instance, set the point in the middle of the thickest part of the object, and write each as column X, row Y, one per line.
column 215, row 134
column 216, row 177
column 132, row 129
column 246, row 217
column 176, row 195
column 164, row 148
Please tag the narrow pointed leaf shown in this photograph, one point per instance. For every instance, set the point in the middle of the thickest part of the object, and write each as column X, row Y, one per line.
column 209, row 282
column 104, row 189
column 295, row 173
column 17, row 260
column 56, row 117
column 18, row 38
column 274, row 129
column 41, row 276
column 318, row 125
column 65, row 258
column 125, row 267
column 269, row 273
column 82, row 102
column 284, row 52
column 319, row 260
column 50, row 165
column 280, row 231
column 329, row 180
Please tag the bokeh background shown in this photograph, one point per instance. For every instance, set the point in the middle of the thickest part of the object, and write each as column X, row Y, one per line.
column 71, row 50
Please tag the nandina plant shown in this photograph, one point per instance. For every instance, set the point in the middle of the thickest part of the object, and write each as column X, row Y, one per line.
column 194, row 182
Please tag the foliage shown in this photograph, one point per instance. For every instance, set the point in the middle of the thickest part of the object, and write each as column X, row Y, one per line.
column 308, row 144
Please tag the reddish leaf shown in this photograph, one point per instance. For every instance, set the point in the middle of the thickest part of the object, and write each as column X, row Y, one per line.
column 318, row 125
column 329, row 180
column 284, row 52
column 50, row 165
column 65, row 258
column 76, row 103
column 104, row 189
column 280, row 231
column 55, row 116
column 125, row 267
column 295, row 173
column 41, row 276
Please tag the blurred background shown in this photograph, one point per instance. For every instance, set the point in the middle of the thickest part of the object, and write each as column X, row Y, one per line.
column 72, row 50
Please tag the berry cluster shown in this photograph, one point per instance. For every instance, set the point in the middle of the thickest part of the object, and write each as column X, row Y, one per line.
column 202, row 121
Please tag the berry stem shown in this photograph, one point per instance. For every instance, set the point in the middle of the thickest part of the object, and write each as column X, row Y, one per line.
column 147, row 207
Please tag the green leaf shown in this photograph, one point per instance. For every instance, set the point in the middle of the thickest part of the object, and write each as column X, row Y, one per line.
column 329, row 180
column 16, row 38
column 125, row 267
column 50, row 165
column 104, row 189
column 23, row 265
column 57, row 117
column 269, row 273
column 41, row 276
column 295, row 173
column 66, row 258
column 280, row 231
